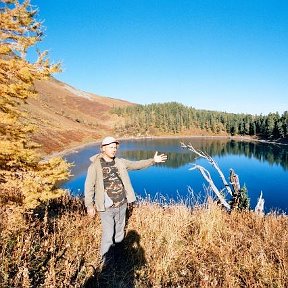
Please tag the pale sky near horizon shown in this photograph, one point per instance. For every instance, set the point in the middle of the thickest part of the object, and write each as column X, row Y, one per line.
column 228, row 55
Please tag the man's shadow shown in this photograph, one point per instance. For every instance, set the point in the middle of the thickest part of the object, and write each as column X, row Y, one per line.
column 123, row 261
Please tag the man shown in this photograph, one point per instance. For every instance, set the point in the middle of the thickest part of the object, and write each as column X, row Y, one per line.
column 108, row 190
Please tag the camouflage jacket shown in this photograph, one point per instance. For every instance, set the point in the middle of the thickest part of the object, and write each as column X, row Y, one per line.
column 94, row 185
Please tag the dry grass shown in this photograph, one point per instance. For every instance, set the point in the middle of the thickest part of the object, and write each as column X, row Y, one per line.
column 164, row 247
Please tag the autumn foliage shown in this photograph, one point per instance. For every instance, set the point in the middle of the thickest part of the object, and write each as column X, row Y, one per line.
column 25, row 180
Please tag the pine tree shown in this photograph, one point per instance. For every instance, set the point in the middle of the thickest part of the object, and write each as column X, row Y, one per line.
column 24, row 179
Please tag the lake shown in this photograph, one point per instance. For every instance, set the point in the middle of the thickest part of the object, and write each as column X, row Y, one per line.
column 260, row 167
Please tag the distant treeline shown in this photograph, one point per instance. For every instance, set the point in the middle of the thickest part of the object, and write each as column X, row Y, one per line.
column 173, row 117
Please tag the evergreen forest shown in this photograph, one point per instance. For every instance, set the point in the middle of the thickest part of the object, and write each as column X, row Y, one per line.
column 174, row 118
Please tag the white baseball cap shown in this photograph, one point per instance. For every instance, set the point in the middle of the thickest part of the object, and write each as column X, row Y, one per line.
column 109, row 140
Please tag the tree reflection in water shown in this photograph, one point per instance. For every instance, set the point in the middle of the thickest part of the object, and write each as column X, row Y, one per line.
column 272, row 153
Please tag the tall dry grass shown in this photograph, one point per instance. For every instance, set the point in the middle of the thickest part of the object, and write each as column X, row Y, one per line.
column 171, row 246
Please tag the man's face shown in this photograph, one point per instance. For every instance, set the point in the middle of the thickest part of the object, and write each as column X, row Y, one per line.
column 110, row 150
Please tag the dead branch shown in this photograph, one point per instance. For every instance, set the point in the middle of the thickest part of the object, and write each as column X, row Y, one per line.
column 211, row 161
column 259, row 209
column 234, row 181
column 240, row 199
column 205, row 173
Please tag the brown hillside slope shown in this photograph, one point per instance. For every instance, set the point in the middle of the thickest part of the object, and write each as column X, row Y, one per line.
column 65, row 116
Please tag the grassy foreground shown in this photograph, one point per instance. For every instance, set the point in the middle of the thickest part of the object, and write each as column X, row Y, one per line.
column 164, row 247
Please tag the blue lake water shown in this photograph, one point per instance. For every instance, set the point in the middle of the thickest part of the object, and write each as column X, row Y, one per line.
column 260, row 167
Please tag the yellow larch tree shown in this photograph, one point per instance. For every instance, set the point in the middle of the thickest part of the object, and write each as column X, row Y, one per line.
column 25, row 180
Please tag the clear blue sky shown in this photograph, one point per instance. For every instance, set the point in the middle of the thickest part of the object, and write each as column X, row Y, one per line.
column 223, row 55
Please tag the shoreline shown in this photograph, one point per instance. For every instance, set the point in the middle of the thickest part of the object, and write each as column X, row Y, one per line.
column 96, row 142
column 84, row 145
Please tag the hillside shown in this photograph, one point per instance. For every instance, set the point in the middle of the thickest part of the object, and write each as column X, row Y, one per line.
column 65, row 117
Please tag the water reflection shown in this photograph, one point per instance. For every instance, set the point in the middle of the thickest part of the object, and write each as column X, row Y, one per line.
column 174, row 160
column 177, row 157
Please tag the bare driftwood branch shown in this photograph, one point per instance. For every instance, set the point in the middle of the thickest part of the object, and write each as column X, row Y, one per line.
column 239, row 195
column 205, row 173
column 234, row 181
column 259, row 209
column 211, row 161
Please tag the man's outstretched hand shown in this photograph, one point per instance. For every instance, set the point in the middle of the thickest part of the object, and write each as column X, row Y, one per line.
column 159, row 158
